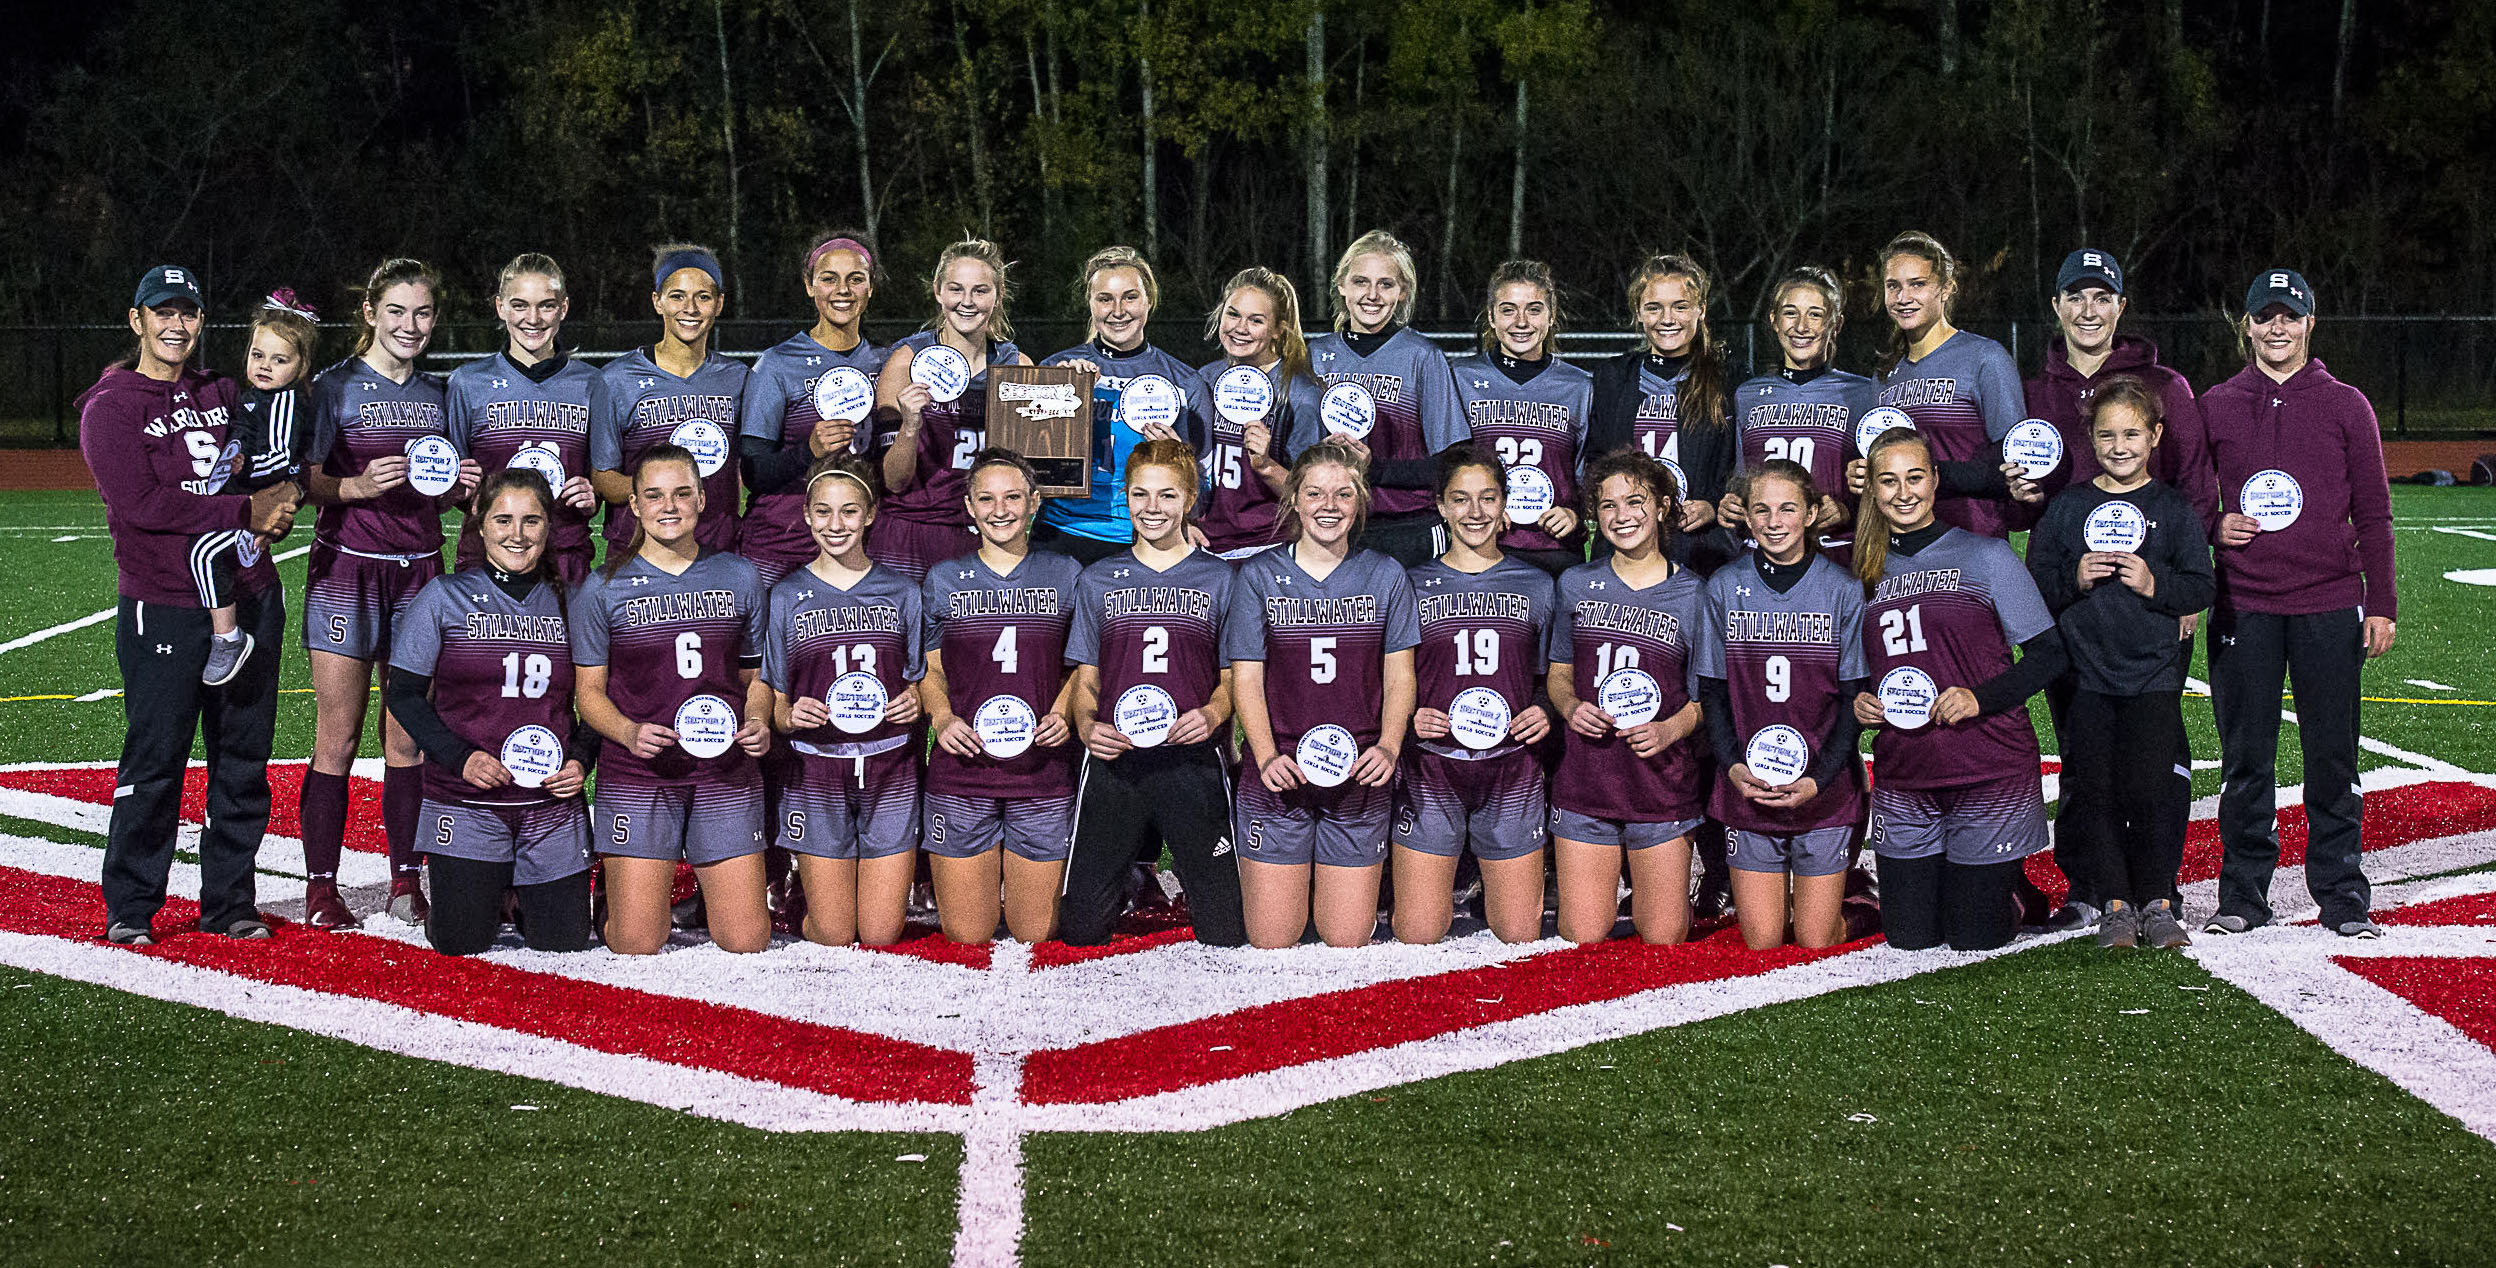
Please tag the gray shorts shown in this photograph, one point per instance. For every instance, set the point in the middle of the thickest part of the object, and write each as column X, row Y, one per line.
column 852, row 807
column 1569, row 825
column 543, row 842
column 1494, row 805
column 1343, row 826
column 1982, row 823
column 352, row 602
column 701, row 824
column 1818, row 852
column 1040, row 829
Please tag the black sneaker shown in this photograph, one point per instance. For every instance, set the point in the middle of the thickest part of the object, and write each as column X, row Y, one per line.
column 130, row 936
column 225, row 659
column 2071, row 915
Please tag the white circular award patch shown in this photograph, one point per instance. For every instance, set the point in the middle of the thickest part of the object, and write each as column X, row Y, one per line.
column 857, row 700
column 944, row 372
column 532, row 754
column 705, row 726
column 1631, row 696
column 1145, row 714
column 843, row 395
column 1530, row 494
column 706, row 441
column 432, row 465
column 1348, row 410
column 1478, row 717
column 1907, row 694
column 247, row 549
column 1875, row 421
column 2273, row 499
column 1778, row 755
column 1150, row 401
column 1243, row 395
column 2035, row 446
column 1325, row 754
column 1006, row 725
column 2115, row 526
column 541, row 458
column 1681, row 483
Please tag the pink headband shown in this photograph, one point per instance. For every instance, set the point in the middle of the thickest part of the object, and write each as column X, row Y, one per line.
column 839, row 244
column 283, row 300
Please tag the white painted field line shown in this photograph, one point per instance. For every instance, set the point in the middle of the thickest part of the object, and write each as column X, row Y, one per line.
column 97, row 618
column 990, row 1234
column 2467, row 532
column 2430, row 684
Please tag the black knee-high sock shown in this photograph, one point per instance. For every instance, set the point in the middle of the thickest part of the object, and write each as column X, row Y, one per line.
column 467, row 911
column 1978, row 910
column 554, row 915
column 402, row 798
column 324, row 814
column 1911, row 902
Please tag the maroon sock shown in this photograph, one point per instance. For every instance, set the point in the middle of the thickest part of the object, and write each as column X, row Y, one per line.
column 324, row 814
column 402, row 796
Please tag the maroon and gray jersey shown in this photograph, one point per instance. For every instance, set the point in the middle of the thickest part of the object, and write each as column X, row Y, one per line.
column 493, row 411
column 819, row 632
column 1324, row 643
column 1479, row 629
column 1604, row 627
column 1540, row 423
column 665, row 640
column 1657, row 428
column 951, row 434
column 1145, row 628
column 1782, row 658
column 361, row 415
column 1963, row 396
column 779, row 406
column 1810, row 421
column 1418, row 414
column 1238, row 511
column 638, row 405
column 1002, row 636
column 497, row 663
column 162, row 463
column 1954, row 609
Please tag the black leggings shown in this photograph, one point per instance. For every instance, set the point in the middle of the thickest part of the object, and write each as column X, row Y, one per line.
column 2119, row 784
column 1925, row 901
column 468, row 907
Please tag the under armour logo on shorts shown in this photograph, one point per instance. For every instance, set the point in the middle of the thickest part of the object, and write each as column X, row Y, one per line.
column 164, row 649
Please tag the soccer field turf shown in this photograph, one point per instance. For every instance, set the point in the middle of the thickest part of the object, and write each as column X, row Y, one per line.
column 354, row 1099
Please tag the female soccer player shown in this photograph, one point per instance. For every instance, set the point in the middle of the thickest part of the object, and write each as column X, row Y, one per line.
column 2306, row 594
column 377, row 542
column 1528, row 406
column 530, row 396
column 921, row 523
column 1320, row 640
column 1666, row 398
column 1957, row 803
column 783, row 431
column 481, row 680
column 1472, row 779
column 1242, row 430
column 1151, row 388
column 1388, row 392
column 1631, row 782
column 1804, row 411
column 1960, row 389
column 678, row 391
column 842, row 658
column 667, row 647
column 1152, row 705
column 1780, row 662
column 1001, row 782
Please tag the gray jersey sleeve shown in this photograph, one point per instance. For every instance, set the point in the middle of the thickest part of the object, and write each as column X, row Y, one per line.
column 783, row 607
column 756, row 603
column 1083, row 633
column 416, row 637
column 913, row 636
column 1851, row 663
column 1243, row 633
column 458, row 409
column 1707, row 643
column 1402, row 614
column 1442, row 410
column 1999, row 393
column 606, row 426
column 586, row 621
column 765, row 404
column 2016, row 603
column 325, row 409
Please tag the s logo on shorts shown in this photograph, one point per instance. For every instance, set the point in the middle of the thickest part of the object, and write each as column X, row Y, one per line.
column 936, row 827
column 1256, row 835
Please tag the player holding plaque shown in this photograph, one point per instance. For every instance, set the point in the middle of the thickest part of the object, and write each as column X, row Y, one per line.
column 1152, row 705
column 1320, row 640
column 810, row 396
column 1245, row 405
column 1957, row 803
column 1961, row 389
column 528, row 405
column 935, row 385
column 1412, row 408
column 1472, row 779
column 1806, row 410
column 1666, row 399
column 1530, row 408
column 667, row 646
column 1630, row 788
column 481, row 679
column 1150, row 390
column 1001, row 781
column 678, row 391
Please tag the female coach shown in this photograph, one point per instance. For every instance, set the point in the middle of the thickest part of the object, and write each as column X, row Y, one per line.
column 783, row 427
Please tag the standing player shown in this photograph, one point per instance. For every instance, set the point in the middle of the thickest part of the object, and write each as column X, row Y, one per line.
column 842, row 657
column 1388, row 391
column 782, row 431
column 1472, row 779
column 1780, row 662
column 1630, row 783
column 377, row 542
column 1961, row 390
column 1001, row 782
column 679, row 391
column 1152, row 705
column 943, row 411
column 1805, row 410
column 667, row 648
column 1150, row 389
column 1242, row 432
column 1530, row 407
column 1320, row 640
column 530, row 396
column 1666, row 398
column 481, row 679
column 1957, row 804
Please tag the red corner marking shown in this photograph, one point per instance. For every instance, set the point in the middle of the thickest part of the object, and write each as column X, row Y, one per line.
column 2461, row 991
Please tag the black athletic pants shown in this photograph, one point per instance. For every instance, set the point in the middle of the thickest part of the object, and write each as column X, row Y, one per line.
column 1178, row 796
column 2072, row 852
column 468, row 907
column 1927, row 901
column 2120, row 790
column 161, row 650
column 2251, row 654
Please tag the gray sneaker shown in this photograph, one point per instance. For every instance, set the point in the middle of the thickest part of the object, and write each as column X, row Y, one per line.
column 225, row 659
column 2226, row 923
column 2160, row 928
column 249, row 927
column 2071, row 915
column 2358, row 928
column 2120, row 926
column 130, row 936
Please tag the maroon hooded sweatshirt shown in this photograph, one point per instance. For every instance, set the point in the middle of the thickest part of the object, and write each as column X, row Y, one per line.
column 2322, row 432
column 2061, row 394
column 159, row 455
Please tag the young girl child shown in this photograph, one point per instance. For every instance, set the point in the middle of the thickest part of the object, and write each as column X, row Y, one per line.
column 271, row 444
column 1152, row 705
column 678, row 391
column 1530, row 408
column 927, row 458
column 1957, row 803
column 1666, row 398
column 782, row 430
column 1320, row 640
column 1631, row 782
column 2120, row 558
column 1120, row 292
column 844, row 636
column 1001, row 783
column 532, row 396
column 1241, row 428
column 1780, row 663
column 1388, row 392
column 1960, row 390
column 1472, row 779
column 667, row 647
column 1805, row 410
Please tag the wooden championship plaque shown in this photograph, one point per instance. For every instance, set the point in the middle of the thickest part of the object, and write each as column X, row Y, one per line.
column 1044, row 413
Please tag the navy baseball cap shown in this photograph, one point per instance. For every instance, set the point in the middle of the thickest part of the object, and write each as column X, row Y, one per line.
column 162, row 282
column 2089, row 266
column 2284, row 287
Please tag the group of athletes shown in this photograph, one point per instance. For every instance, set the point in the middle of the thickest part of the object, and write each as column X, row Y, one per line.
column 1441, row 610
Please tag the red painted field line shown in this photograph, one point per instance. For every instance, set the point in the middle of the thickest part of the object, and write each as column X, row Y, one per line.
column 2461, row 991
column 2465, row 909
